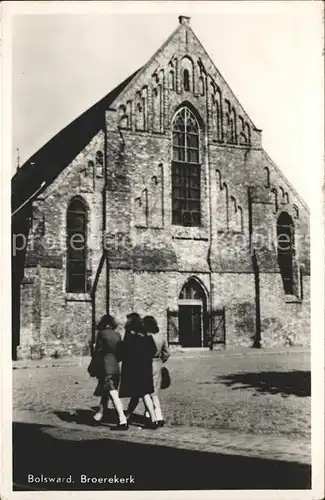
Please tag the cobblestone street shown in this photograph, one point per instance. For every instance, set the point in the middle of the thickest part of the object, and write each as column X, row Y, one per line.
column 234, row 419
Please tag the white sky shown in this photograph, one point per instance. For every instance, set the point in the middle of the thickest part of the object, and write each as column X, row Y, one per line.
column 270, row 53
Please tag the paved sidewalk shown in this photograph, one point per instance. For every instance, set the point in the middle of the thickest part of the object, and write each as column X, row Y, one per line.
column 181, row 437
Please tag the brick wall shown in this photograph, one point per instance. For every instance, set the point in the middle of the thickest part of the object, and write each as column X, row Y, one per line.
column 150, row 259
column 284, row 321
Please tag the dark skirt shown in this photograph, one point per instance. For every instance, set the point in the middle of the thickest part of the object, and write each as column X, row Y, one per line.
column 136, row 373
column 136, row 384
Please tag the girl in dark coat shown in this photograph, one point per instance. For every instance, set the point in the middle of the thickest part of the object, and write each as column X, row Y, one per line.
column 136, row 353
column 160, row 357
column 108, row 375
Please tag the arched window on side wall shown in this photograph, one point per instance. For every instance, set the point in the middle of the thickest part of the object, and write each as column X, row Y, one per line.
column 286, row 251
column 266, row 177
column 77, row 246
column 99, row 164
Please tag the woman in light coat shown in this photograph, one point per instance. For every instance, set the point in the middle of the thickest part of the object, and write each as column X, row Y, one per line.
column 161, row 356
column 108, row 375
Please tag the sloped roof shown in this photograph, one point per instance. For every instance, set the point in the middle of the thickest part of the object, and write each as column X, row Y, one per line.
column 49, row 161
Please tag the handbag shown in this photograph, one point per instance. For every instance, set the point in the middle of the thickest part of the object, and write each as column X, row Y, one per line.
column 165, row 378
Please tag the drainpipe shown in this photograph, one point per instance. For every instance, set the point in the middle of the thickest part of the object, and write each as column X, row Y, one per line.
column 104, row 205
column 252, row 251
column 210, row 206
column 257, row 340
column 104, row 257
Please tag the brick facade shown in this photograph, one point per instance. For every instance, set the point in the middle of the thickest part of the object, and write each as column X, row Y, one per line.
column 148, row 259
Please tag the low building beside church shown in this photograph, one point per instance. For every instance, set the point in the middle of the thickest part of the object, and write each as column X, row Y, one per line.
column 159, row 199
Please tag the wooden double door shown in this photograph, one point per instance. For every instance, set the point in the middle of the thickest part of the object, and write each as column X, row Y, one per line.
column 191, row 325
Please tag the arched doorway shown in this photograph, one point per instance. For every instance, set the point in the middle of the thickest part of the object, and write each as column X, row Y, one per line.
column 192, row 315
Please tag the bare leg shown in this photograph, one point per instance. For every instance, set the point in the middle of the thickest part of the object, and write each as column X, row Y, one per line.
column 157, row 407
column 118, row 406
column 149, row 406
column 101, row 408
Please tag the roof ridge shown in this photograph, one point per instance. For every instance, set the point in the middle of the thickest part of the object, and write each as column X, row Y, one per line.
column 150, row 60
column 224, row 79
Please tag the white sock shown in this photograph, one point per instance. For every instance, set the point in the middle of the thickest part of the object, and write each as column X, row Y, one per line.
column 158, row 414
column 118, row 407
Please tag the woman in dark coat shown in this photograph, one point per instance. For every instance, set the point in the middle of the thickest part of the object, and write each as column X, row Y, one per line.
column 160, row 357
column 136, row 353
column 108, row 374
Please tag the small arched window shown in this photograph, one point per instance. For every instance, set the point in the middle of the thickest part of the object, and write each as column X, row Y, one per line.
column 77, row 246
column 296, row 212
column 171, row 79
column 234, row 125
column 275, row 200
column 248, row 133
column 123, row 119
column 201, row 86
column 266, row 177
column 219, row 179
column 186, row 80
column 187, row 73
column 286, row 251
column 99, row 164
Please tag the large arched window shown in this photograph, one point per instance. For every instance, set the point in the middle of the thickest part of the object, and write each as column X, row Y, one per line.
column 77, row 246
column 286, row 251
column 186, row 171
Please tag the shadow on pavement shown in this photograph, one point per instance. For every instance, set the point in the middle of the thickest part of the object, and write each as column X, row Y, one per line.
column 153, row 467
column 296, row 383
column 85, row 417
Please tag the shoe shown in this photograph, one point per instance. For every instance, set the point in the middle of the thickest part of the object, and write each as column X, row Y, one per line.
column 98, row 417
column 160, row 423
column 151, row 425
column 120, row 427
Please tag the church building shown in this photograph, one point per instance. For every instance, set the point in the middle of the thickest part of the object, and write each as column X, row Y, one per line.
column 159, row 199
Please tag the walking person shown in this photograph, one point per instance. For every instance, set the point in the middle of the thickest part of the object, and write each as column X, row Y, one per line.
column 107, row 371
column 136, row 353
column 161, row 356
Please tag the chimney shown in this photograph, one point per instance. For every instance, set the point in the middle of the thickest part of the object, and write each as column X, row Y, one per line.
column 184, row 20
